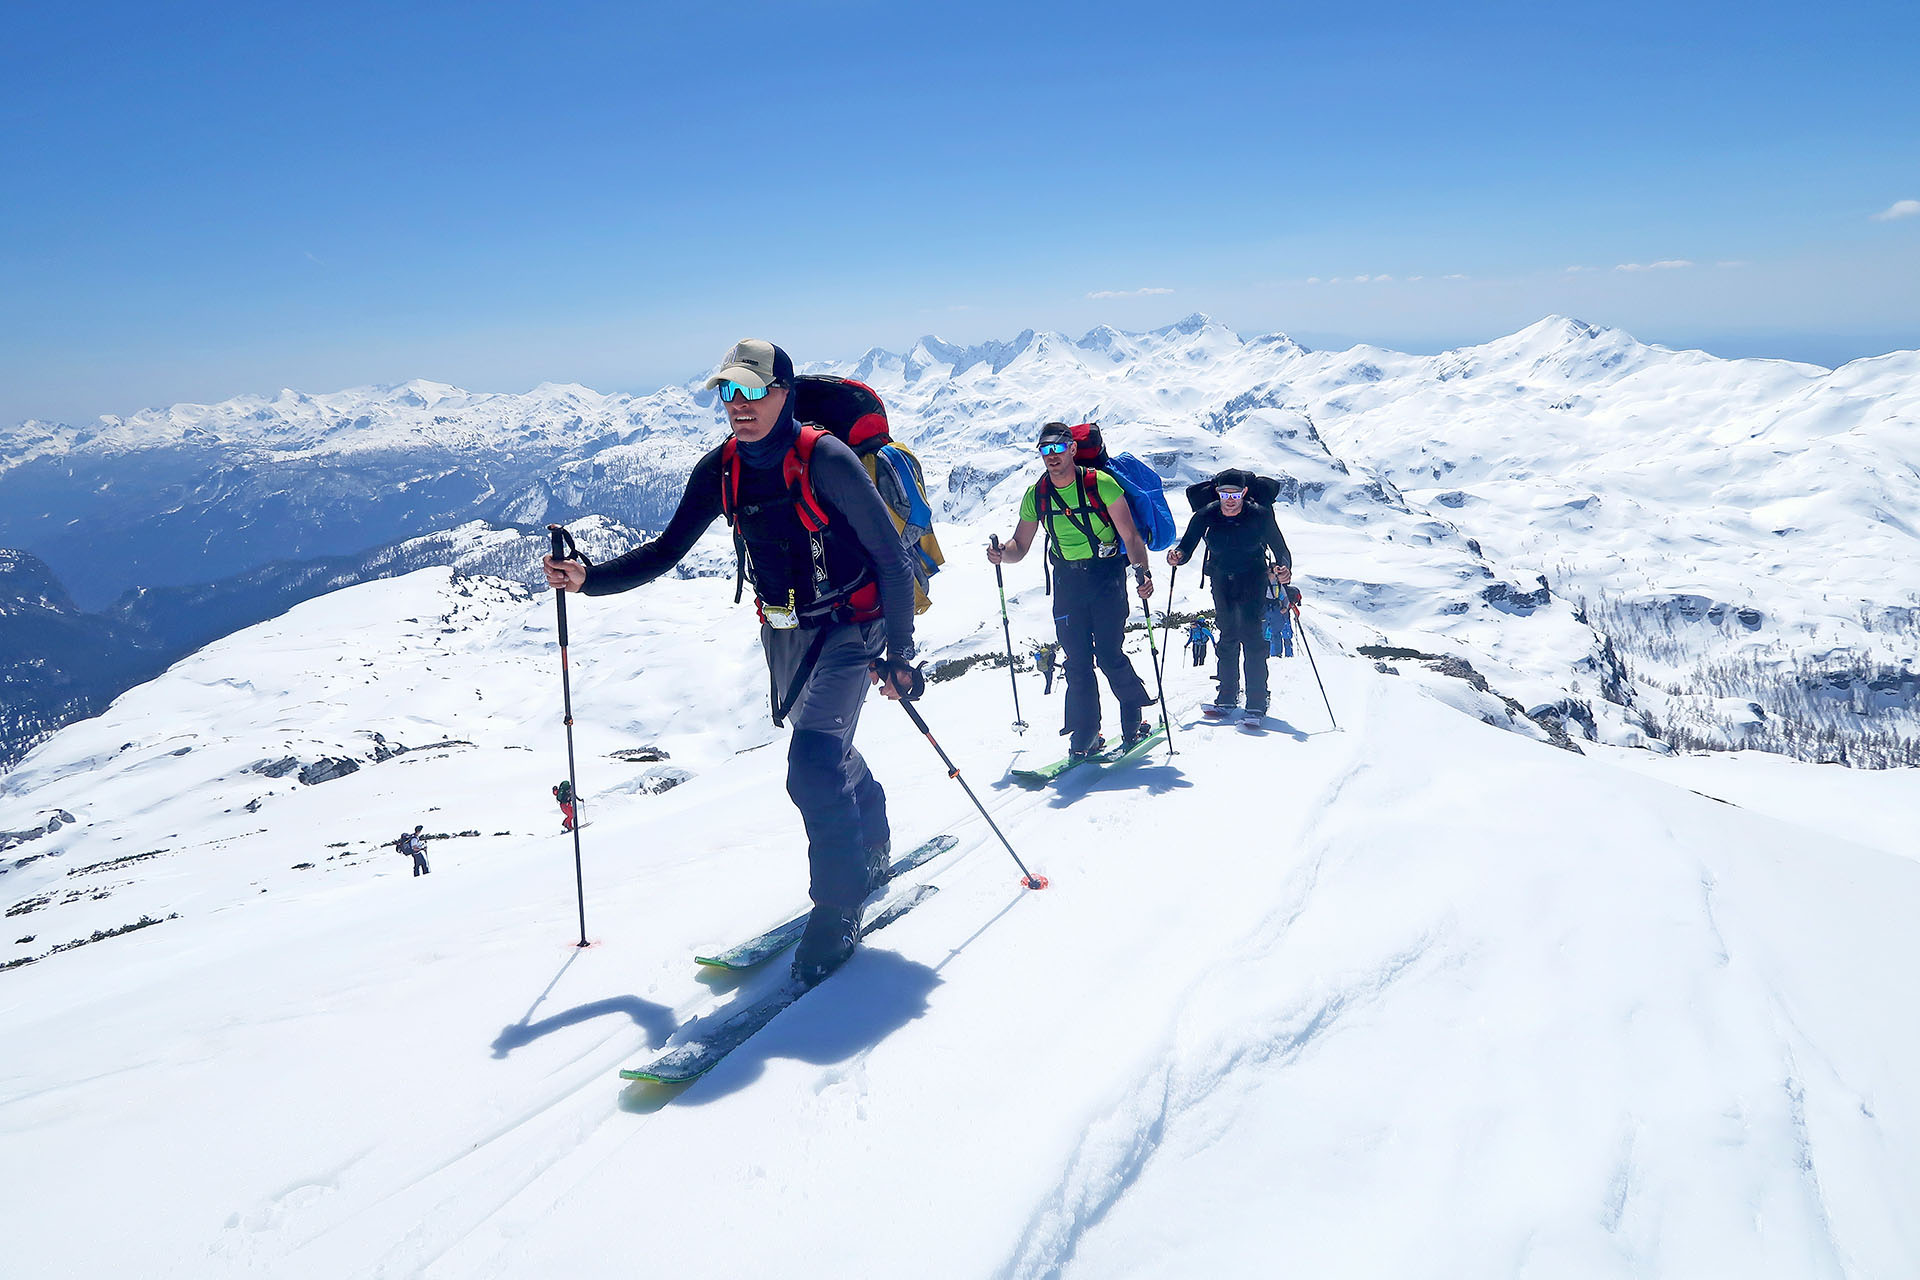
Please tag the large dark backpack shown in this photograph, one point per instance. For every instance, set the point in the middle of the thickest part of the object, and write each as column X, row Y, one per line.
column 854, row 412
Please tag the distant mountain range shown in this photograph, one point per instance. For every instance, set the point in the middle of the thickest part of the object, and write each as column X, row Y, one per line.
column 1725, row 547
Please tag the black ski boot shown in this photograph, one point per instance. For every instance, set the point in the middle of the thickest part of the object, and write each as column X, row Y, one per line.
column 1133, row 726
column 879, row 861
column 830, row 937
column 1085, row 746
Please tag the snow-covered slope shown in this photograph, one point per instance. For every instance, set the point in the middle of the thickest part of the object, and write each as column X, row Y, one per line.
column 1414, row 998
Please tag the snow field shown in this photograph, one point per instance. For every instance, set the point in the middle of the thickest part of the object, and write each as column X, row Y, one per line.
column 1421, row 997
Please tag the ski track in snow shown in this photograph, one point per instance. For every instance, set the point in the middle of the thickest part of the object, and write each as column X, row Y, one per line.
column 1121, row 1143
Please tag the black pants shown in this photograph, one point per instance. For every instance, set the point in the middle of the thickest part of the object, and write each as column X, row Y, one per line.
column 1239, row 606
column 1090, row 619
column 420, row 867
column 840, row 802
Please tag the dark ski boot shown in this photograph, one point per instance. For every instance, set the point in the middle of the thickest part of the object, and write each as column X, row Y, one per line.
column 1085, row 748
column 1136, row 733
column 829, row 938
column 879, row 862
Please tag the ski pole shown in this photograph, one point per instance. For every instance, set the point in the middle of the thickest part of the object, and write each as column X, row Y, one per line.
column 1019, row 725
column 564, row 549
column 1166, row 721
column 1300, row 629
column 1166, row 617
column 1027, row 877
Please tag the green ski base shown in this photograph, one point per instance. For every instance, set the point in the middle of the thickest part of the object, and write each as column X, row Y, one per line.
column 1034, row 779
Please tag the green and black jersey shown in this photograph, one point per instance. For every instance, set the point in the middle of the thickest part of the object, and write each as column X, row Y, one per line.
column 1073, row 515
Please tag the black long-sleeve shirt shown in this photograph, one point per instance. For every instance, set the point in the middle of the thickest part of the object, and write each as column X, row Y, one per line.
column 840, row 482
column 1236, row 544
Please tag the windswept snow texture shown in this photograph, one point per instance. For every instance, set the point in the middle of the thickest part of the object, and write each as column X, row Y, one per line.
column 1419, row 998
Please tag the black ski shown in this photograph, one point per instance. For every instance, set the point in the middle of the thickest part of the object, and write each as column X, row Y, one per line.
column 706, row 1046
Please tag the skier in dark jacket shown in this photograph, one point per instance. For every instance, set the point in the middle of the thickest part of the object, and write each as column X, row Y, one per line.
column 415, row 844
column 1239, row 533
column 836, row 607
column 564, row 794
column 1089, row 583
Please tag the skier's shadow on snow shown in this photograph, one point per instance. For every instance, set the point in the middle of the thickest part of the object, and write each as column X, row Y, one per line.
column 655, row 1019
column 1156, row 777
column 876, row 994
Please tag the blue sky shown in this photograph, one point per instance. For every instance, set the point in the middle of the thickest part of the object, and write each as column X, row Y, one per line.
column 205, row 200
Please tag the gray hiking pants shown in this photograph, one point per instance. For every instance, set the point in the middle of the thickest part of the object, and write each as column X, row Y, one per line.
column 841, row 804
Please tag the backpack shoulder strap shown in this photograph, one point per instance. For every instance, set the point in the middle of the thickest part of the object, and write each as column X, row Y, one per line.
column 730, row 479
column 797, row 471
column 1090, row 483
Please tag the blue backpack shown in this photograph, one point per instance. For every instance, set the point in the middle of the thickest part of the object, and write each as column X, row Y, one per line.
column 1146, row 495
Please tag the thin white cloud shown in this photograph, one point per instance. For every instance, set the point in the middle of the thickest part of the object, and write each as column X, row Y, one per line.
column 1456, row 276
column 1899, row 209
column 1735, row 262
column 1127, row 293
column 1577, row 270
column 1666, row 264
column 1313, row 279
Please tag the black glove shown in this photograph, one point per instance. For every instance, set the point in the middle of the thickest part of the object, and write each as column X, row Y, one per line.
column 907, row 680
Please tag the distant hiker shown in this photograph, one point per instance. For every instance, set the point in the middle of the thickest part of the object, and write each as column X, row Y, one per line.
column 1043, row 656
column 415, row 843
column 564, row 794
column 1087, row 524
column 1199, row 636
column 1239, row 532
column 835, row 596
column 1280, row 602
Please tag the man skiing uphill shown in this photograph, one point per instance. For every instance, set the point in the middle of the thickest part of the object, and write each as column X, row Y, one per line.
column 1087, row 523
column 1239, row 532
column 835, row 596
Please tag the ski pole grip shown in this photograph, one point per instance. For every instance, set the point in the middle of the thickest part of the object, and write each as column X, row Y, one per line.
column 559, row 535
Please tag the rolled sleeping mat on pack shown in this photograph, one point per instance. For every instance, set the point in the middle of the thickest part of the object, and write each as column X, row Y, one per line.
column 1264, row 490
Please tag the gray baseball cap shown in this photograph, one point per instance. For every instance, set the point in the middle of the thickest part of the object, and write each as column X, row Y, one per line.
column 754, row 362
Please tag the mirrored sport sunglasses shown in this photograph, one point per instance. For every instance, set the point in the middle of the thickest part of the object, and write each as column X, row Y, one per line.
column 729, row 391
column 1231, row 490
column 1054, row 448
